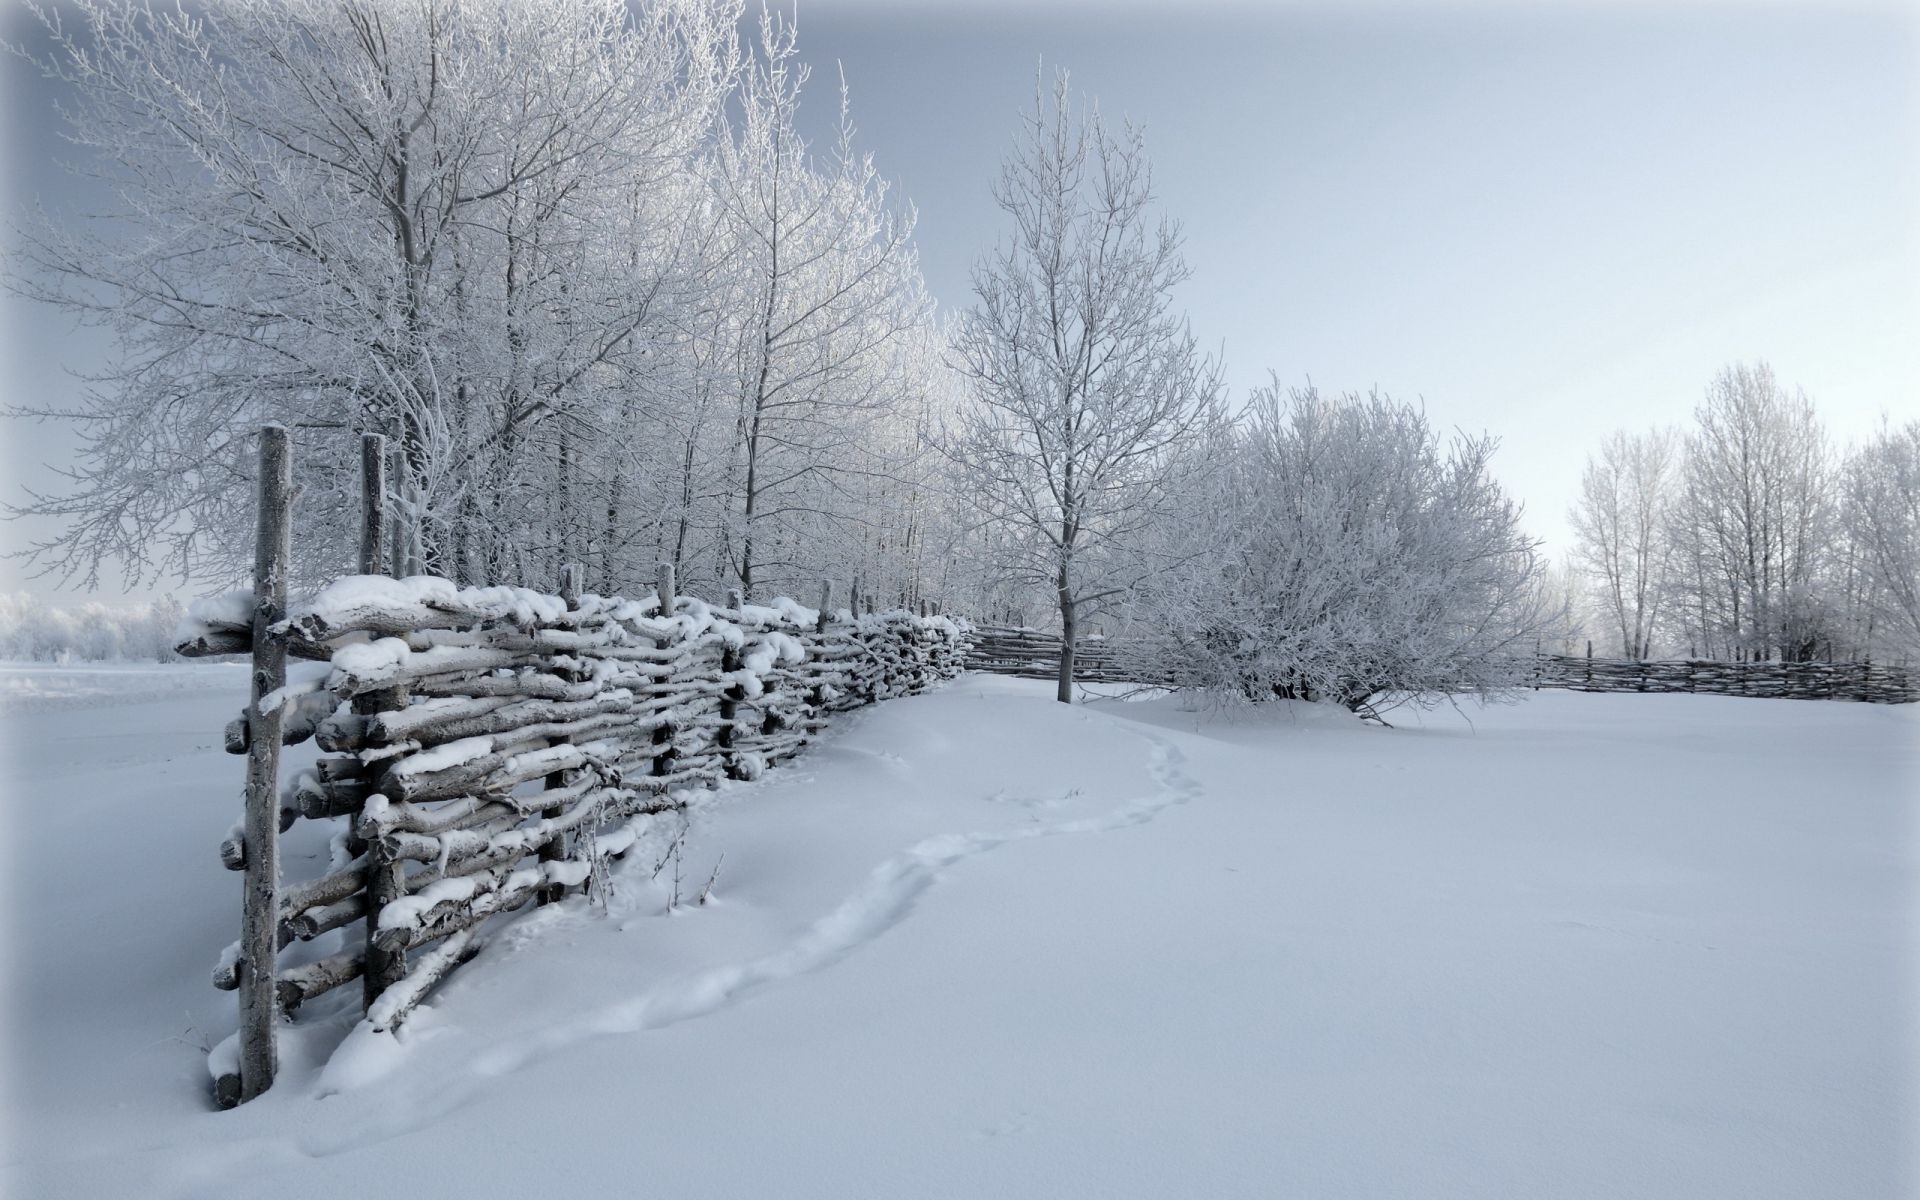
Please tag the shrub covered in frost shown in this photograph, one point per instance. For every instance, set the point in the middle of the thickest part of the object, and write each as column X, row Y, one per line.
column 1338, row 550
column 34, row 630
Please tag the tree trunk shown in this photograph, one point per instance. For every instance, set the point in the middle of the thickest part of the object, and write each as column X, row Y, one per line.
column 1069, row 627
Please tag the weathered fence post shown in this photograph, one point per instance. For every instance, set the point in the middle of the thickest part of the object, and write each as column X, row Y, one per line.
column 381, row 548
column 556, row 849
column 260, row 913
column 396, row 517
column 731, row 697
column 817, row 694
column 373, row 503
column 663, row 736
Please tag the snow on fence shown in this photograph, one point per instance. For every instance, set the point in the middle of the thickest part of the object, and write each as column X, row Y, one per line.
column 487, row 747
column 1031, row 652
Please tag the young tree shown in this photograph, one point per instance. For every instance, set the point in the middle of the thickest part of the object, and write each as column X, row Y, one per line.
column 1081, row 377
column 1619, row 521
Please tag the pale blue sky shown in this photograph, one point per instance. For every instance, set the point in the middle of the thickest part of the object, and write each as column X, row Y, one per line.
column 1548, row 223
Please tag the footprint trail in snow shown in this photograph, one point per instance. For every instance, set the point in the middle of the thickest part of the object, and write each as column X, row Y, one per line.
column 883, row 902
column 887, row 898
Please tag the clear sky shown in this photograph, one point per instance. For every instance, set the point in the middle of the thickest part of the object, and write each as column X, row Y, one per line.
column 1545, row 222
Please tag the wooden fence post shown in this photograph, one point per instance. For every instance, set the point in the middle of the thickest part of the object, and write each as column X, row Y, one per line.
column 572, row 577
column 381, row 549
column 416, row 528
column 373, row 503
column 663, row 736
column 731, row 697
column 396, row 519
column 260, row 912
column 386, row 875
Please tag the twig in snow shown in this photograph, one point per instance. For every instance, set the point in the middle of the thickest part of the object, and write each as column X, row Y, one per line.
column 707, row 891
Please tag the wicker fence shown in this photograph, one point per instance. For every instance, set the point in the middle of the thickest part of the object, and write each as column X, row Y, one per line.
column 490, row 747
column 1010, row 650
column 1036, row 654
column 1871, row 683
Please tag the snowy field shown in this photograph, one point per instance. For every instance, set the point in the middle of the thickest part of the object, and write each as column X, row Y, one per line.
column 978, row 944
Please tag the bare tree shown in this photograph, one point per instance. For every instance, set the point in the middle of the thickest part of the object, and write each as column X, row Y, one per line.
column 826, row 297
column 1750, row 519
column 1081, row 377
column 348, row 215
column 1620, row 523
column 1881, row 511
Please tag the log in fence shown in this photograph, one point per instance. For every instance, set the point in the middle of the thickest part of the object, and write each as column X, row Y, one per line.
column 1036, row 654
column 489, row 747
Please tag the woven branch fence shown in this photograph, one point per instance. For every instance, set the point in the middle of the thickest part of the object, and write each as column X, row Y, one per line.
column 1871, row 683
column 1036, row 654
column 1008, row 650
column 490, row 747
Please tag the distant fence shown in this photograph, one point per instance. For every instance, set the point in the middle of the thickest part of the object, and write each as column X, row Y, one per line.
column 1871, row 683
column 1008, row 650
column 1035, row 654
column 489, row 747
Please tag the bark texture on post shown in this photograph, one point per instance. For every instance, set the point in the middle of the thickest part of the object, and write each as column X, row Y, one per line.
column 373, row 503
column 663, row 736
column 380, row 550
column 386, row 883
column 730, row 699
column 260, row 912
column 571, row 577
column 396, row 519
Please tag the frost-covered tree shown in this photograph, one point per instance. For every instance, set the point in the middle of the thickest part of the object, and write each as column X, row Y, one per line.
column 351, row 216
column 1750, row 520
column 34, row 630
column 1619, row 523
column 1081, row 378
column 1337, row 550
column 1880, row 514
column 814, row 332
column 571, row 255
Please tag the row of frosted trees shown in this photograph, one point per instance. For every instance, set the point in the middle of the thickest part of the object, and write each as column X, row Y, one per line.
column 1749, row 536
column 574, row 258
column 578, row 263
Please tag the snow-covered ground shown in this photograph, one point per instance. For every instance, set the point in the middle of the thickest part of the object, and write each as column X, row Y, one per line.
column 980, row 944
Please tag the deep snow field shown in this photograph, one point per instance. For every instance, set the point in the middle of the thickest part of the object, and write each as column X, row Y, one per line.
column 978, row 944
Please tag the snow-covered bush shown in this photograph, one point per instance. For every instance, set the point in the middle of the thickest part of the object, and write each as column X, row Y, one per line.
column 32, row 630
column 1339, row 551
